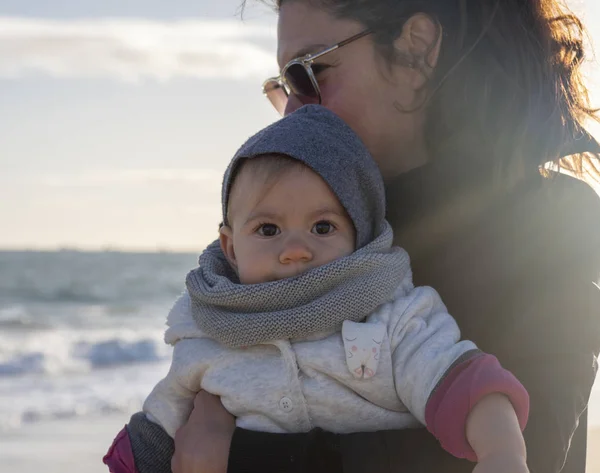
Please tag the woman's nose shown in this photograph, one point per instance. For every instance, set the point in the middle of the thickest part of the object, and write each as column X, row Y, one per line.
column 296, row 101
column 295, row 252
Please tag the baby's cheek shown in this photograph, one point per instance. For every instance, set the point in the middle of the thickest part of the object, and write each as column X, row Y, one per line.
column 347, row 246
column 253, row 268
column 249, row 273
column 343, row 245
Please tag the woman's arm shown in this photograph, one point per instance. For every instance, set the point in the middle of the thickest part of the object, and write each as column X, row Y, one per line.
column 207, row 443
column 203, row 443
column 316, row 451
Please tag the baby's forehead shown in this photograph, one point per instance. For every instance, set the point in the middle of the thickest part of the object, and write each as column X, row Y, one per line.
column 255, row 179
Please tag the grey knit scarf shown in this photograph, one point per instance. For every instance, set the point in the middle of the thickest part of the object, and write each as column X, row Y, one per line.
column 318, row 300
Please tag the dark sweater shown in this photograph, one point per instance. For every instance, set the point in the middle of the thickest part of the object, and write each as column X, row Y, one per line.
column 517, row 271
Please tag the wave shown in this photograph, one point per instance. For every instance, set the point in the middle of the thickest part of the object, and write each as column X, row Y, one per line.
column 66, row 353
column 29, row 400
column 44, row 413
column 119, row 352
column 23, row 324
column 18, row 318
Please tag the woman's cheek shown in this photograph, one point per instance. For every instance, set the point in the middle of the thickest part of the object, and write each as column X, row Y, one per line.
column 333, row 94
column 333, row 103
column 349, row 106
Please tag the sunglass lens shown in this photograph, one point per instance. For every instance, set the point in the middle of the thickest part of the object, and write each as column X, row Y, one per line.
column 276, row 94
column 299, row 81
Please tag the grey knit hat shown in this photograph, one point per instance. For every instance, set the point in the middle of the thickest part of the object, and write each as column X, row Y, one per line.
column 322, row 141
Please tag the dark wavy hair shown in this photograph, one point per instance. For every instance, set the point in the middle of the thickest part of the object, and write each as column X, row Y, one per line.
column 507, row 91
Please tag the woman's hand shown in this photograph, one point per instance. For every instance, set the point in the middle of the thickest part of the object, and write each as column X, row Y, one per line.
column 202, row 444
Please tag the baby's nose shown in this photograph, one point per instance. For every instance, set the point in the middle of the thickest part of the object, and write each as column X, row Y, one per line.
column 295, row 252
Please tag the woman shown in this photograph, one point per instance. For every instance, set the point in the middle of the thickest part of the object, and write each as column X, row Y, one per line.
column 462, row 103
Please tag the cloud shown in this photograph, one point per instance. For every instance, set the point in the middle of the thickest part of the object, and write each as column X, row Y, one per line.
column 132, row 50
column 210, row 180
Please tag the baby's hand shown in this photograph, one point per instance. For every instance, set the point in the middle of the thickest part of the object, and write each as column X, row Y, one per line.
column 502, row 463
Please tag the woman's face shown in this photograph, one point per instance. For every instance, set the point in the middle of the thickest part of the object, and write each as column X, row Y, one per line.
column 357, row 84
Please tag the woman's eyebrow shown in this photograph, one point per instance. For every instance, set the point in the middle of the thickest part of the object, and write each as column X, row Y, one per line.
column 310, row 49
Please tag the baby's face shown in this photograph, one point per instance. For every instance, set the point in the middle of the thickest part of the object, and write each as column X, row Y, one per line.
column 284, row 229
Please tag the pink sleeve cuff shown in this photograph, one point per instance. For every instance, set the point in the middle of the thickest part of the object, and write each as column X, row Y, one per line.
column 461, row 389
column 119, row 457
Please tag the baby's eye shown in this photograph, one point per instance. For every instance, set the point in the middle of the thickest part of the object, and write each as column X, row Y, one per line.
column 268, row 230
column 323, row 228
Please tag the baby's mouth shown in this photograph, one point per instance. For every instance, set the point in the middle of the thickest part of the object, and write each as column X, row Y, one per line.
column 291, row 272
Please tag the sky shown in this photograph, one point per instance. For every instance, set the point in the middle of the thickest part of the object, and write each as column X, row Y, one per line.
column 118, row 118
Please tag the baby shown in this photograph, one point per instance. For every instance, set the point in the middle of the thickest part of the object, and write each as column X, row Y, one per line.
column 304, row 315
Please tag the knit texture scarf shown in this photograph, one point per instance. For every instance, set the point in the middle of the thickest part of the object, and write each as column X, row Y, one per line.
column 318, row 300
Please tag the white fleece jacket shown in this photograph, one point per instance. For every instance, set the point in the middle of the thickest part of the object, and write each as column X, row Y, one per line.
column 375, row 375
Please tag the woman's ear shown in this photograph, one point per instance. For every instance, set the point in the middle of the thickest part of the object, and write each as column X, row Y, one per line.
column 226, row 240
column 420, row 42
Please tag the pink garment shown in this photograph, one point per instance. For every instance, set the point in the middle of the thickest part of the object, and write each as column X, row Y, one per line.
column 462, row 388
column 119, row 457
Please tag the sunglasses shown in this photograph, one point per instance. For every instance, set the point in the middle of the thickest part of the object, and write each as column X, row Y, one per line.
column 298, row 78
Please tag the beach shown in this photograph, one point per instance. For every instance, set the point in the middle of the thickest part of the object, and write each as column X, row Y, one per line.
column 59, row 446
column 593, row 461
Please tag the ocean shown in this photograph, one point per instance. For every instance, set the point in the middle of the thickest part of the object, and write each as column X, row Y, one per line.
column 81, row 334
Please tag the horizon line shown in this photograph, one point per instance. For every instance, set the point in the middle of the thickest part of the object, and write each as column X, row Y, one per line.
column 100, row 249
